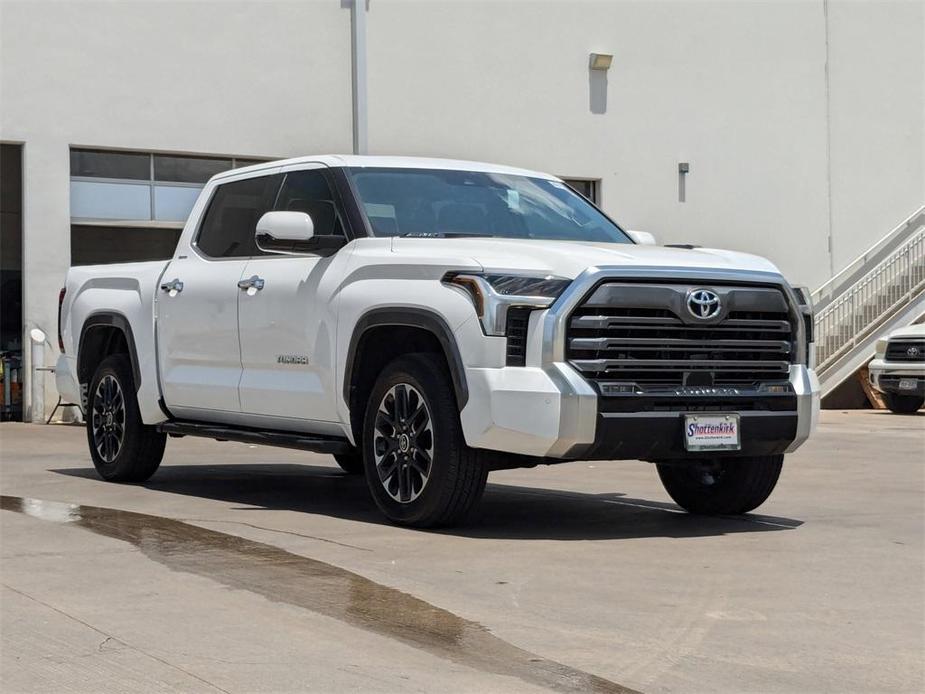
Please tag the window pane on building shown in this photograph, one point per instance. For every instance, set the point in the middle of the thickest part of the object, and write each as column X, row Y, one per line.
column 91, row 200
column 587, row 187
column 96, row 245
column 102, row 164
column 187, row 169
column 238, row 163
column 173, row 203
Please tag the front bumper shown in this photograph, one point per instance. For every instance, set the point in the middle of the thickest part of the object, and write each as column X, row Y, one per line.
column 529, row 411
column 885, row 376
column 557, row 414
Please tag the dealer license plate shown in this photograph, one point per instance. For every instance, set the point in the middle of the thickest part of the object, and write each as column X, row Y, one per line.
column 907, row 384
column 712, row 432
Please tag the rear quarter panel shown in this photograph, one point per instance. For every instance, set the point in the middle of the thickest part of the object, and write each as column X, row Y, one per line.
column 128, row 290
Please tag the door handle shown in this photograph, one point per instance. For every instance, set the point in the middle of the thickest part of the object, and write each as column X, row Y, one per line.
column 251, row 282
column 173, row 286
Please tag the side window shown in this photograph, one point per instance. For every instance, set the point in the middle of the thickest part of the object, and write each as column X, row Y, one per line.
column 227, row 231
column 309, row 192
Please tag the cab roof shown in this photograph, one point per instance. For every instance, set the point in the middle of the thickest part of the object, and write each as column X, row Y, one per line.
column 359, row 161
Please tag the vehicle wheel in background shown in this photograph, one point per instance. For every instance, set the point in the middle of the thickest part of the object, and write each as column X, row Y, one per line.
column 721, row 486
column 418, row 467
column 903, row 404
column 351, row 463
column 123, row 448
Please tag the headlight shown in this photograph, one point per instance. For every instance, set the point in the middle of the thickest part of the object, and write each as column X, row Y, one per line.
column 881, row 347
column 493, row 294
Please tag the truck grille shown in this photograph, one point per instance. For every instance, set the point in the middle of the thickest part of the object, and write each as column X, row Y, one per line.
column 642, row 336
column 905, row 350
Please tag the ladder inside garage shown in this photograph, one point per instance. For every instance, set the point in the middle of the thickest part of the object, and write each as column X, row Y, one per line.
column 884, row 288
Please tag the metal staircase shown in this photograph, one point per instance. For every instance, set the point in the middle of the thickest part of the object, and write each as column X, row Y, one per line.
column 882, row 289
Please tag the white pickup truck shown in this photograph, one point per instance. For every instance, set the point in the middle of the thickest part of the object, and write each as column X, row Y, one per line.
column 427, row 321
column 898, row 369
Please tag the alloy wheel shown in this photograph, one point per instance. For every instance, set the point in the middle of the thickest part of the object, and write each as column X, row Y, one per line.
column 403, row 443
column 108, row 418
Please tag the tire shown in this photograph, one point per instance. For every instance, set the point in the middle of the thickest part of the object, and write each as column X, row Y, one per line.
column 418, row 493
column 721, row 486
column 903, row 404
column 351, row 463
column 122, row 447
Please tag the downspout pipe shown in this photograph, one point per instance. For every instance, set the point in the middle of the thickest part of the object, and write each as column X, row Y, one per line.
column 358, row 12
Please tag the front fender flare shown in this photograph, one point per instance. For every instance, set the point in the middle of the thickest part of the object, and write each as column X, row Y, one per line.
column 414, row 318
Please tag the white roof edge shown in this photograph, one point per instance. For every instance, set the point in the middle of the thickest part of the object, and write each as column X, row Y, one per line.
column 395, row 162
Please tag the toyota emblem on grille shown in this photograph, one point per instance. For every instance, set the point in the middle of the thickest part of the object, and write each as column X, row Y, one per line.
column 913, row 352
column 703, row 303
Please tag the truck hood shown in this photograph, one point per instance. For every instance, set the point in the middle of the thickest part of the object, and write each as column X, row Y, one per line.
column 910, row 331
column 570, row 258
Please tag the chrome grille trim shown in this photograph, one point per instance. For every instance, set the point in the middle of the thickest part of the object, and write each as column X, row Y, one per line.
column 655, row 343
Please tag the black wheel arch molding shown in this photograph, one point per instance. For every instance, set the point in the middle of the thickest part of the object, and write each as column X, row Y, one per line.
column 109, row 319
column 410, row 317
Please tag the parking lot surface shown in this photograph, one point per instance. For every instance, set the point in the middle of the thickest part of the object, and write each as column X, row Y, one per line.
column 240, row 569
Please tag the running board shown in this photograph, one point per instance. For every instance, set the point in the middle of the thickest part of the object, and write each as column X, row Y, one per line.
column 282, row 439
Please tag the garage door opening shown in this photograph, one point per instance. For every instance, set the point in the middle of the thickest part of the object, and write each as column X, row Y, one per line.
column 11, row 326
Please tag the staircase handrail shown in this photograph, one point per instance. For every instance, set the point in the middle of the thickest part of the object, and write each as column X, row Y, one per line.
column 851, row 273
column 843, row 311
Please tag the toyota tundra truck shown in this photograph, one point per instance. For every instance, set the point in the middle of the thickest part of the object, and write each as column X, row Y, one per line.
column 428, row 321
column 898, row 369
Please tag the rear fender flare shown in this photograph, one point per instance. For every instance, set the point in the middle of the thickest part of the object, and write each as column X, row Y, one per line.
column 110, row 319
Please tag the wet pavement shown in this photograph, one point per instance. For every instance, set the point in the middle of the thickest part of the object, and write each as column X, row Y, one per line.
column 238, row 569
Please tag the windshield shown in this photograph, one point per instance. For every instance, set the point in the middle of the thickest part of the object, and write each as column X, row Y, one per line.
column 443, row 203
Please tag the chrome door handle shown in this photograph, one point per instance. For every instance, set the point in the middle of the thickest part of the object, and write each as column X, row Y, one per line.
column 172, row 286
column 251, row 282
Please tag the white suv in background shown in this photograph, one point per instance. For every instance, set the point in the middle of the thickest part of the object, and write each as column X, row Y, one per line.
column 898, row 369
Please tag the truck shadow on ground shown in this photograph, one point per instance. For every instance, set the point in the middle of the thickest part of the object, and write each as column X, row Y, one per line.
column 507, row 511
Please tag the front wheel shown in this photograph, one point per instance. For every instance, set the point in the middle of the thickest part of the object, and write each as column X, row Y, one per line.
column 721, row 486
column 903, row 404
column 418, row 467
column 123, row 448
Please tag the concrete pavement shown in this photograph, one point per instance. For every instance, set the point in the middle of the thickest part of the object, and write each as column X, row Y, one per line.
column 239, row 568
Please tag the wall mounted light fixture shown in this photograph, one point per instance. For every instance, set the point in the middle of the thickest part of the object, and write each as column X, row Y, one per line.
column 600, row 61
column 684, row 168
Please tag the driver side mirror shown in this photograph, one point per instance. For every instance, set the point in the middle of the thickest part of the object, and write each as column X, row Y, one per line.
column 643, row 238
column 293, row 233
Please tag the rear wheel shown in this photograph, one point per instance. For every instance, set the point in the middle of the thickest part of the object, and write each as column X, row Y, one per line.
column 721, row 486
column 123, row 448
column 903, row 404
column 418, row 467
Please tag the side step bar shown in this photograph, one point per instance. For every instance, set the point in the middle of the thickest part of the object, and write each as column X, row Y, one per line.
column 282, row 439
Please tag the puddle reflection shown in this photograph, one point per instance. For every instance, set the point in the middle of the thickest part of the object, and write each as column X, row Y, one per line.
column 317, row 586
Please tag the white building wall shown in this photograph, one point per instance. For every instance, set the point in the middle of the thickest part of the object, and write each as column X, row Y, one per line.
column 737, row 89
column 268, row 79
column 877, row 119
column 780, row 153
